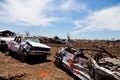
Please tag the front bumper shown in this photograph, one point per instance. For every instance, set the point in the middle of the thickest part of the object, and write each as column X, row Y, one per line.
column 39, row 53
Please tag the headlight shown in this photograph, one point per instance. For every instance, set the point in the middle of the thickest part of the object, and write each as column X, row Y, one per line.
column 31, row 48
column 28, row 47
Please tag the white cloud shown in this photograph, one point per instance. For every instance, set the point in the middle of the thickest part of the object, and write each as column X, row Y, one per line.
column 27, row 12
column 73, row 5
column 38, row 12
column 106, row 19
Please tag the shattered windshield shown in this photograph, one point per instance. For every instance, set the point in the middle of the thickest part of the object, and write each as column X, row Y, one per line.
column 33, row 39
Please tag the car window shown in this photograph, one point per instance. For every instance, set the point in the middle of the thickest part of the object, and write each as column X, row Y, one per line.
column 32, row 39
column 26, row 38
column 35, row 40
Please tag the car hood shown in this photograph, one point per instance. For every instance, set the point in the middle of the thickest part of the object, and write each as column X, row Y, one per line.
column 38, row 44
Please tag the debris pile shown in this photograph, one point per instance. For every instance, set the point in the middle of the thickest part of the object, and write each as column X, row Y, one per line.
column 106, row 66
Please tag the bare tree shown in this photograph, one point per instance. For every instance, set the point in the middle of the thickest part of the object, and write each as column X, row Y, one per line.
column 27, row 33
column 68, row 37
column 113, row 41
column 69, row 40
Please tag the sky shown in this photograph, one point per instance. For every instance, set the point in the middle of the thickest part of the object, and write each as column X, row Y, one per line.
column 81, row 19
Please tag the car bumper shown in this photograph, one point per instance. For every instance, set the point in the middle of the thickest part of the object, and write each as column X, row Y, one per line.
column 39, row 53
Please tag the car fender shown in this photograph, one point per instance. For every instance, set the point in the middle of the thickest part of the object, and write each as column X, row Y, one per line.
column 10, row 44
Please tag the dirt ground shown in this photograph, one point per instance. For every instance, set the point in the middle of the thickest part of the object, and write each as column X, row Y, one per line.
column 11, row 68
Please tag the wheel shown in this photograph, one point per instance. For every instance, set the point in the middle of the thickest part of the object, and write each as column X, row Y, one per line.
column 58, row 62
column 6, row 51
column 23, row 56
column 10, row 52
column 5, row 48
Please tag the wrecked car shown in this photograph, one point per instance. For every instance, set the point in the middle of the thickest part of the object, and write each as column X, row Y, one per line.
column 28, row 46
column 5, row 37
column 87, row 67
column 4, row 43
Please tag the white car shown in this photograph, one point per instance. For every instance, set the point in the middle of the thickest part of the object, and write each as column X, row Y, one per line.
column 28, row 46
column 5, row 37
column 4, row 43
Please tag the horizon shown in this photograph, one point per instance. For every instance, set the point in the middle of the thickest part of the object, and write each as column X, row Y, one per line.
column 81, row 19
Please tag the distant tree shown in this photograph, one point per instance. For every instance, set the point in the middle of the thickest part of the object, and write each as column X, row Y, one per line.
column 27, row 33
column 68, row 37
column 69, row 40
column 117, row 41
column 113, row 41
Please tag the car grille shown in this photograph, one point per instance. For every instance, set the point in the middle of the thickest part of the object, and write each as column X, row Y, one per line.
column 39, row 49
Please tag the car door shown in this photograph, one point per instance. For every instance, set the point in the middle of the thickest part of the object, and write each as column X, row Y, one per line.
column 16, row 44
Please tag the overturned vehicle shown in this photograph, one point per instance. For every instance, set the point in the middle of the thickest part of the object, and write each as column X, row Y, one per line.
column 27, row 46
column 98, row 66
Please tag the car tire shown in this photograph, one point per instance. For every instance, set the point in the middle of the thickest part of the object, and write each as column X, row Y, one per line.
column 23, row 56
column 10, row 53
column 4, row 48
column 58, row 62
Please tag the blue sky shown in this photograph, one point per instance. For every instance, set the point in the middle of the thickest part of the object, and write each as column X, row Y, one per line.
column 82, row 19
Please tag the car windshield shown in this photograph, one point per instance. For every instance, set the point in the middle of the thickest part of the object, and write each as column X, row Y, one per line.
column 32, row 39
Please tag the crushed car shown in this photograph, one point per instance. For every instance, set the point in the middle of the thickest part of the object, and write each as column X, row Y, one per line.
column 88, row 67
column 28, row 46
column 58, row 40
